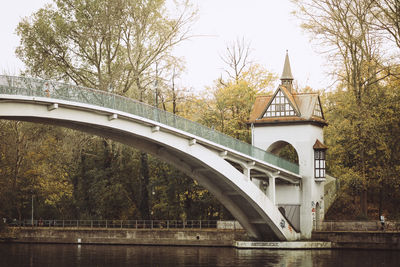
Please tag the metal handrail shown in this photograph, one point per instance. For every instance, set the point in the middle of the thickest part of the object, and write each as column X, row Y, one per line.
column 122, row 224
column 353, row 225
column 26, row 86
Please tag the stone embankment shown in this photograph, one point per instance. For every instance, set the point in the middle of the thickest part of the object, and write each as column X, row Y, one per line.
column 178, row 237
column 360, row 234
column 360, row 240
column 339, row 235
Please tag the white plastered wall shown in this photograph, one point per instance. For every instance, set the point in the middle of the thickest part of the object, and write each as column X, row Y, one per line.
column 288, row 194
column 302, row 137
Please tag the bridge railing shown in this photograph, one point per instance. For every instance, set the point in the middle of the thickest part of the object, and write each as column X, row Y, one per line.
column 26, row 86
column 125, row 224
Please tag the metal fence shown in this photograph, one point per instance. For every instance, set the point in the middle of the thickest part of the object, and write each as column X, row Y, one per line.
column 122, row 224
column 361, row 226
column 10, row 85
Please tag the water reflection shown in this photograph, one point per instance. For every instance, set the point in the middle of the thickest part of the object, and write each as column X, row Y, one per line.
column 91, row 255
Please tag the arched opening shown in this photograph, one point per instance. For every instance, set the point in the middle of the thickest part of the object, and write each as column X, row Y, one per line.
column 284, row 150
column 287, row 193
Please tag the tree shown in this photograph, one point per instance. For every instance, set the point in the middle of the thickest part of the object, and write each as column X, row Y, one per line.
column 108, row 45
column 345, row 28
column 387, row 18
column 78, row 41
column 175, row 195
column 228, row 109
column 237, row 59
column 381, row 160
column 117, row 46
column 149, row 35
column 34, row 162
column 227, row 105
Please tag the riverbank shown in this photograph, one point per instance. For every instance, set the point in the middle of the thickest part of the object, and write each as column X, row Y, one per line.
column 170, row 237
column 360, row 239
column 236, row 238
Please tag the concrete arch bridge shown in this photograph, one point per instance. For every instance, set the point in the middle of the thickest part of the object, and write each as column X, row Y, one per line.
column 242, row 177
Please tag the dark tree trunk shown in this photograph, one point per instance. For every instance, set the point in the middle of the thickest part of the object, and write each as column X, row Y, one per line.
column 364, row 203
column 144, row 182
column 380, row 201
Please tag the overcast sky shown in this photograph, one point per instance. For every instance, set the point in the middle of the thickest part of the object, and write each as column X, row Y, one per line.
column 266, row 24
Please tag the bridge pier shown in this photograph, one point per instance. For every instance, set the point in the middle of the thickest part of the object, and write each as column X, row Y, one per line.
column 294, row 120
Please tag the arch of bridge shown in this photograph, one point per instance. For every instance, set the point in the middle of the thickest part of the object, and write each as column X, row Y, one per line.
column 92, row 111
column 240, row 196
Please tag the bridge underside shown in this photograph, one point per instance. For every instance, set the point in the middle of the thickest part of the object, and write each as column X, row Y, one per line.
column 239, row 195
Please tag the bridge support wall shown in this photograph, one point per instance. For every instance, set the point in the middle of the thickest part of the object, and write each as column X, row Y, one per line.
column 310, row 193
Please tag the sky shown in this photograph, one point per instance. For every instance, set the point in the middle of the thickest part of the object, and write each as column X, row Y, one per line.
column 267, row 25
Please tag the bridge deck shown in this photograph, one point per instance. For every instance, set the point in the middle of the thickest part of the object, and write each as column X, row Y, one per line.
column 202, row 153
column 10, row 85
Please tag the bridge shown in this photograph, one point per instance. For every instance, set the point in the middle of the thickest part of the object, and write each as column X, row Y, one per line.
column 227, row 167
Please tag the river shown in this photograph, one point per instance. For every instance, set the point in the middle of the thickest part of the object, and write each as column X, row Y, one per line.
column 105, row 255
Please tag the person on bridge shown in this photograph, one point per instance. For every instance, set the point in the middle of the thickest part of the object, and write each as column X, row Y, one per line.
column 382, row 219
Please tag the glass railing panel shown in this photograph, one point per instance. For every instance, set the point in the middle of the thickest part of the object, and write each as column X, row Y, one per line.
column 42, row 88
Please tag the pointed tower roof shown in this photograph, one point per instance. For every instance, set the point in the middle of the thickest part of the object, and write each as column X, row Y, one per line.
column 287, row 72
column 286, row 106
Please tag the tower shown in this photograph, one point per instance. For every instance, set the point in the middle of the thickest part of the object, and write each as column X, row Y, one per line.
column 295, row 120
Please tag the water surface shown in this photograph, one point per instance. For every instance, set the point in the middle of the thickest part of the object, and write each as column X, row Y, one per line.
column 105, row 255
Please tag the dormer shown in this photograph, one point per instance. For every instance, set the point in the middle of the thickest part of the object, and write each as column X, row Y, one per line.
column 286, row 106
column 281, row 104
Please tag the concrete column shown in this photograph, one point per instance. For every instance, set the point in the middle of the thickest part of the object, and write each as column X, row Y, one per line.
column 246, row 172
column 271, row 190
column 306, row 171
column 306, row 219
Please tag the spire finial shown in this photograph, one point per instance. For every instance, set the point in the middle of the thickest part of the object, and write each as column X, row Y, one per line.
column 287, row 77
column 287, row 72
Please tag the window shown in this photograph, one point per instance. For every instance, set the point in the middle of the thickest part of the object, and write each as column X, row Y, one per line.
column 319, row 161
column 280, row 107
column 317, row 109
